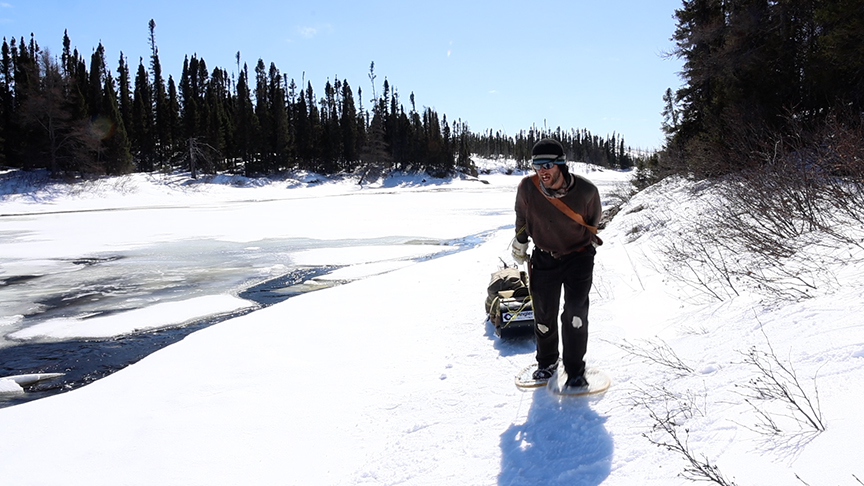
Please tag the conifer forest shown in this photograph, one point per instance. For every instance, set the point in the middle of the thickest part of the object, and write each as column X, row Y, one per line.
column 764, row 81
column 79, row 117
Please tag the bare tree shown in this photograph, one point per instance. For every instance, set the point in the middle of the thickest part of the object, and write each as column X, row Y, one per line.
column 199, row 152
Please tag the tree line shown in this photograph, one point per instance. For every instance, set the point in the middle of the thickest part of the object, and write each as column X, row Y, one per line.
column 74, row 117
column 759, row 74
column 579, row 145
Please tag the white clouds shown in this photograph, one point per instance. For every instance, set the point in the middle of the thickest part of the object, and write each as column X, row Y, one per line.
column 308, row 32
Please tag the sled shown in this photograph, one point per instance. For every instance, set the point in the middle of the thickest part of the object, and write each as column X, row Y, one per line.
column 508, row 303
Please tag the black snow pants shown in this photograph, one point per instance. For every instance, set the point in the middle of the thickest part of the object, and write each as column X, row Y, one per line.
column 548, row 275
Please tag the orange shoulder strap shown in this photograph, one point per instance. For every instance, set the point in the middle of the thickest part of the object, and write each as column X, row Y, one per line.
column 563, row 207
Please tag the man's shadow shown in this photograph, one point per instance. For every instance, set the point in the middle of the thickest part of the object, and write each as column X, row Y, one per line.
column 563, row 441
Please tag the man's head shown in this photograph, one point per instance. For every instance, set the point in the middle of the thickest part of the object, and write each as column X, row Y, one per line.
column 547, row 158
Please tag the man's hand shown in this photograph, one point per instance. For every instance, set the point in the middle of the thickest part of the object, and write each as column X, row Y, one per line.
column 519, row 251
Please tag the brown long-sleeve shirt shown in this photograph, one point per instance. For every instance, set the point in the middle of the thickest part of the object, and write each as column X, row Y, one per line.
column 552, row 230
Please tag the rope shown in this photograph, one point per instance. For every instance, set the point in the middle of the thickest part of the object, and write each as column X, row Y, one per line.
column 524, row 305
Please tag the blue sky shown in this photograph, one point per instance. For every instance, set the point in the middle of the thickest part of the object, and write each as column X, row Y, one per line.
column 500, row 65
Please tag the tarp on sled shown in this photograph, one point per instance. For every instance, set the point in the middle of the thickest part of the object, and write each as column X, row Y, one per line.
column 508, row 302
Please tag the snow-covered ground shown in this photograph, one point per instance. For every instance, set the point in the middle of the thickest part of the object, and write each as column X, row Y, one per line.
column 395, row 377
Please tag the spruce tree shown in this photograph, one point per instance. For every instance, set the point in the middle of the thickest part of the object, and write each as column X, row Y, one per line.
column 331, row 137
column 670, row 113
column 348, row 125
column 67, row 62
column 202, row 82
column 118, row 158
column 125, row 97
column 173, row 114
column 279, row 118
column 96, row 84
column 30, row 139
column 143, row 143
column 313, row 147
column 162, row 117
column 416, row 134
column 265, row 118
column 375, row 155
column 189, row 98
column 303, row 131
column 246, row 124
column 7, row 113
column 218, row 101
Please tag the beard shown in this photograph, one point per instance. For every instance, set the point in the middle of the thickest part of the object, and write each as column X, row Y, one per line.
column 552, row 179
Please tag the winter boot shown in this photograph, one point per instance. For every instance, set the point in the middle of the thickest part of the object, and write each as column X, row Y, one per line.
column 543, row 373
column 576, row 381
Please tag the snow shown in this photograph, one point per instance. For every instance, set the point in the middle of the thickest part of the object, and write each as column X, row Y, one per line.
column 394, row 377
column 10, row 386
column 148, row 318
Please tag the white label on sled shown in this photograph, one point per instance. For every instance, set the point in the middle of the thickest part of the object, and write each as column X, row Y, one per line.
column 522, row 316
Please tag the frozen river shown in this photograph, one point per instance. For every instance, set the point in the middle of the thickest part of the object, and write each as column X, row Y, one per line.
column 47, row 312
column 89, row 286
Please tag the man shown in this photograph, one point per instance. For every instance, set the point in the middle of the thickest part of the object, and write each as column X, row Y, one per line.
column 563, row 256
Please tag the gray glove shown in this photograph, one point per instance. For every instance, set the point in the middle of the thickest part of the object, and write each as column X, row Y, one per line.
column 519, row 251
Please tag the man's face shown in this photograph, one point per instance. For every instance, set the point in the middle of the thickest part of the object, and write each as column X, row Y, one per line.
column 551, row 177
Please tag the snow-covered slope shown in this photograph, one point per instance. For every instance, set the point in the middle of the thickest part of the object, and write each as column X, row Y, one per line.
column 396, row 378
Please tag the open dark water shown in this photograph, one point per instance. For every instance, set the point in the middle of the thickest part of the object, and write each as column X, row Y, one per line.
column 85, row 361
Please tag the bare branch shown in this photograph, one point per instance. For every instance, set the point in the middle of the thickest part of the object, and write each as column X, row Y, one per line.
column 657, row 352
column 778, row 381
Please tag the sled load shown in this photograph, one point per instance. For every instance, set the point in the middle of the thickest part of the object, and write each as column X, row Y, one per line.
column 508, row 303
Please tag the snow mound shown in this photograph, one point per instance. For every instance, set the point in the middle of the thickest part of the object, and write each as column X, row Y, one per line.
column 9, row 386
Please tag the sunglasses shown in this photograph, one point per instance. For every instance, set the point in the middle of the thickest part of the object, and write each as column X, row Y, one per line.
column 543, row 165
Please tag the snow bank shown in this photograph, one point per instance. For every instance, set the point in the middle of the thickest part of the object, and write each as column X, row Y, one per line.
column 157, row 316
column 10, row 386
